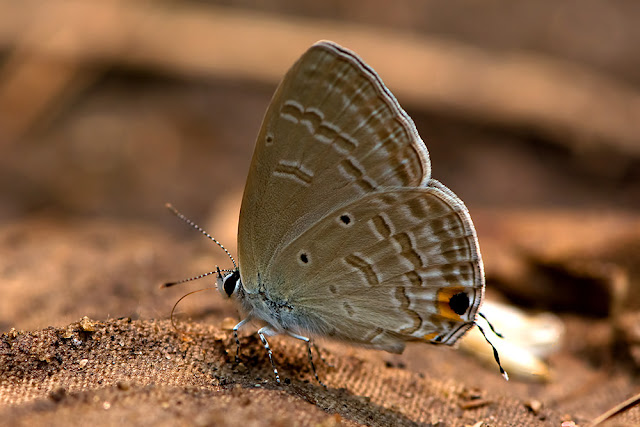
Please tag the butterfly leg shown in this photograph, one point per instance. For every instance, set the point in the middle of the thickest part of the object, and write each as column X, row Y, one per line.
column 235, row 335
column 263, row 333
column 331, row 365
column 310, row 355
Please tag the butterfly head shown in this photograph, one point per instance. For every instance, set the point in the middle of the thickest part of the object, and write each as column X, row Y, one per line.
column 228, row 284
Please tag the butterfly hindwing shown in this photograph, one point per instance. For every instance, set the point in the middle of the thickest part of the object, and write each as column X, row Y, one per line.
column 385, row 269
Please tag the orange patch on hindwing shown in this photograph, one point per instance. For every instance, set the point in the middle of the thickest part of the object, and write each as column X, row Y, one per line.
column 431, row 336
column 452, row 302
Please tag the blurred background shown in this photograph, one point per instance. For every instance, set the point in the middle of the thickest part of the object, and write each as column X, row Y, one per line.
column 109, row 109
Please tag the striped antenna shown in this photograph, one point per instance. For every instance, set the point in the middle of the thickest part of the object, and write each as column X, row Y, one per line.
column 199, row 276
column 200, row 229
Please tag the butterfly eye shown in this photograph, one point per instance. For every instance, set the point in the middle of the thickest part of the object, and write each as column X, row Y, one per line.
column 459, row 303
column 231, row 282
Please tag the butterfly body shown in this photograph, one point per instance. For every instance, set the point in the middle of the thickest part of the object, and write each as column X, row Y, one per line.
column 343, row 233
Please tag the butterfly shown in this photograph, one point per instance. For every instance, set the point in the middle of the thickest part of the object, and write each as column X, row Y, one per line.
column 343, row 233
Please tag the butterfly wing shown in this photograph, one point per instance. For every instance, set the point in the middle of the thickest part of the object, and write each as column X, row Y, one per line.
column 392, row 266
column 332, row 134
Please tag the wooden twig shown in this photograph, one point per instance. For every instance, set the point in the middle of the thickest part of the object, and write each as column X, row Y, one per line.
column 618, row 409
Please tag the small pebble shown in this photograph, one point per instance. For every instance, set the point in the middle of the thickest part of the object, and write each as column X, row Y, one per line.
column 123, row 385
column 534, row 406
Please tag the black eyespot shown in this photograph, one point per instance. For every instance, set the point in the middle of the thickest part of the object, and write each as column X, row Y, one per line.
column 269, row 139
column 230, row 282
column 346, row 219
column 304, row 258
column 459, row 303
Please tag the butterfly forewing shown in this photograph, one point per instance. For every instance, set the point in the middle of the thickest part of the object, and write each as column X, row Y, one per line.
column 332, row 134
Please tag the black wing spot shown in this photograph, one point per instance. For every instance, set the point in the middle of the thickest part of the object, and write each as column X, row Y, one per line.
column 269, row 139
column 346, row 219
column 304, row 258
column 459, row 303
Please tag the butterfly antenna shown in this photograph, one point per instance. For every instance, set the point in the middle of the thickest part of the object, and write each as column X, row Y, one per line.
column 495, row 353
column 200, row 229
column 200, row 276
